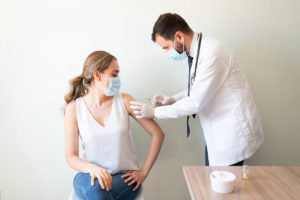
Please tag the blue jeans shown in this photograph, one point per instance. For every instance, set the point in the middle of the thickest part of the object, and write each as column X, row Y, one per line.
column 119, row 190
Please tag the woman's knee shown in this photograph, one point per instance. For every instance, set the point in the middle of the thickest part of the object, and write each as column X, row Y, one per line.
column 85, row 190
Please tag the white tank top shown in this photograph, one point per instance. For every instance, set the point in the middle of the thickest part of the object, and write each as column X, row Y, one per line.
column 110, row 146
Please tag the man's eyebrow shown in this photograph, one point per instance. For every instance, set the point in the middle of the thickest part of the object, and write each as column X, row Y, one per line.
column 116, row 71
column 165, row 47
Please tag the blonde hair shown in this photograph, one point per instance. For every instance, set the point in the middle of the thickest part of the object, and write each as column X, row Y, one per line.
column 79, row 86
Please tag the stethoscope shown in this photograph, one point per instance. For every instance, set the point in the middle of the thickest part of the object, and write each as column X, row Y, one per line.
column 197, row 58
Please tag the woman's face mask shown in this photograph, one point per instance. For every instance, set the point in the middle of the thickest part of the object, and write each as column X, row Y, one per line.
column 114, row 86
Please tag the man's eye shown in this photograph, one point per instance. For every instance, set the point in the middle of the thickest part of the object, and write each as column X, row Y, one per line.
column 114, row 75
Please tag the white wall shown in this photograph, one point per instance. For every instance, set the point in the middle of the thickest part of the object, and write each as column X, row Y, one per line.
column 43, row 44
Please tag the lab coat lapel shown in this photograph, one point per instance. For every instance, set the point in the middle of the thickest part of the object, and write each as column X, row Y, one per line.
column 194, row 62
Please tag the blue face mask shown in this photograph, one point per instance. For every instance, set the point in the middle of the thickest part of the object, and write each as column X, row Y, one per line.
column 172, row 53
column 114, row 86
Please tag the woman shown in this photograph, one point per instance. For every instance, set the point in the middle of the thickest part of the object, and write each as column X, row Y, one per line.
column 98, row 114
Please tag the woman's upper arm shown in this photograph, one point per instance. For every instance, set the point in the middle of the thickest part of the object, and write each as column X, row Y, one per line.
column 71, row 130
column 148, row 124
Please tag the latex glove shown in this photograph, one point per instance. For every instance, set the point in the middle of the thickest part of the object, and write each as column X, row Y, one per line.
column 142, row 110
column 162, row 100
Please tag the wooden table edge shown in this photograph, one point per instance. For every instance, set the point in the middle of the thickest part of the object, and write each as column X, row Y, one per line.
column 188, row 184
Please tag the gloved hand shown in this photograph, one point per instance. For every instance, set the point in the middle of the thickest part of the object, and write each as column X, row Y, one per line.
column 142, row 110
column 162, row 100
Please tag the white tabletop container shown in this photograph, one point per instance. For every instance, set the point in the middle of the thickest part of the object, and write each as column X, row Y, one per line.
column 222, row 181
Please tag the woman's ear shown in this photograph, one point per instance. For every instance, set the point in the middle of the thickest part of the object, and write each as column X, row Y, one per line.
column 97, row 75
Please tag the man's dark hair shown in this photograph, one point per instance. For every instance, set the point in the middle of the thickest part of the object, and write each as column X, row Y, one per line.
column 168, row 24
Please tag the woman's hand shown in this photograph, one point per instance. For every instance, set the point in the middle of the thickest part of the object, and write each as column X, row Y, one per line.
column 103, row 176
column 134, row 176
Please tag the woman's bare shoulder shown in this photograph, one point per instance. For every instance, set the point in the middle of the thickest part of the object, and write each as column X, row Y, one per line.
column 127, row 98
column 70, row 109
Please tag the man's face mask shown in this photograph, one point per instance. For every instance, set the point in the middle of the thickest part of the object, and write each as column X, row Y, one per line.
column 114, row 86
column 172, row 53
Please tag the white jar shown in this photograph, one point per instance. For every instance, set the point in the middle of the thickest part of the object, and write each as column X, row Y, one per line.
column 222, row 181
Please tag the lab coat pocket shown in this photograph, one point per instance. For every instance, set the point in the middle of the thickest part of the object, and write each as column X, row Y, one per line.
column 245, row 131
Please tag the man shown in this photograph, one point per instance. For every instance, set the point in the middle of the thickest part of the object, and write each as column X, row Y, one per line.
column 217, row 91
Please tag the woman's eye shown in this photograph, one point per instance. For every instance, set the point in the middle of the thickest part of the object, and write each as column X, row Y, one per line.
column 114, row 75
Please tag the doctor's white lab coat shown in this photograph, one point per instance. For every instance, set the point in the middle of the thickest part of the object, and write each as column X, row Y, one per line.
column 221, row 97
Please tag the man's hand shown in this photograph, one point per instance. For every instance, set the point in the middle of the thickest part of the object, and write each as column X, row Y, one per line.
column 142, row 110
column 162, row 100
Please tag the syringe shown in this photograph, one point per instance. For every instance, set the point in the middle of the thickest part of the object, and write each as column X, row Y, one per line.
column 149, row 99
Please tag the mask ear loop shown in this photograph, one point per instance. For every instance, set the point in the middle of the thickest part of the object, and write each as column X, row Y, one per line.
column 182, row 44
column 174, row 42
column 102, row 74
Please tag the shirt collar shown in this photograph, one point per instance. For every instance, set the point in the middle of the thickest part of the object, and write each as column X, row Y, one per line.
column 193, row 44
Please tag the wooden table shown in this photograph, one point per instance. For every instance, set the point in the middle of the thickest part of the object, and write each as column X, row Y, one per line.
column 265, row 182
